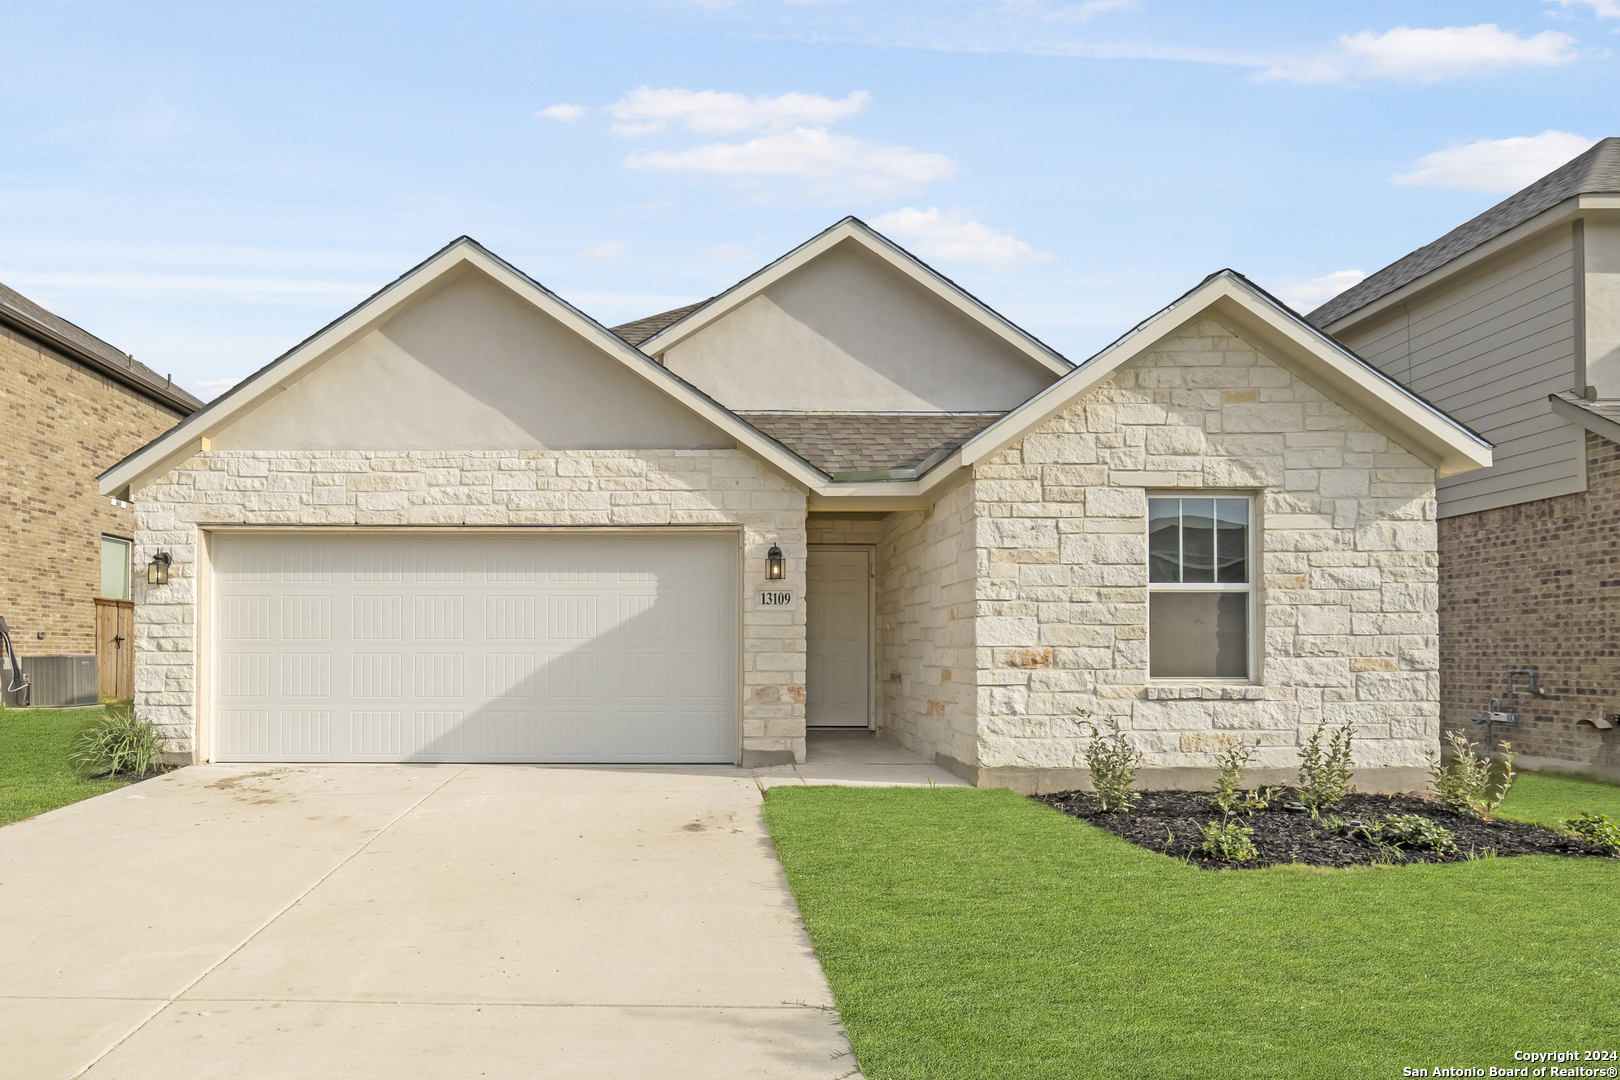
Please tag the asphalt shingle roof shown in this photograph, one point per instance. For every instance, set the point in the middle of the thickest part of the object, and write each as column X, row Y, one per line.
column 1596, row 171
column 642, row 329
column 17, row 308
column 847, row 442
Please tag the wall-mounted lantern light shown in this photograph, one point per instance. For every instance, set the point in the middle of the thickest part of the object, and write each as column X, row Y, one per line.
column 158, row 572
column 775, row 568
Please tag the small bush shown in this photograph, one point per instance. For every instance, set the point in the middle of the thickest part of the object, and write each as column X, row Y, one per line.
column 1228, row 797
column 1228, row 841
column 1324, row 768
column 1465, row 784
column 1417, row 831
column 117, row 743
column 1599, row 829
column 1113, row 764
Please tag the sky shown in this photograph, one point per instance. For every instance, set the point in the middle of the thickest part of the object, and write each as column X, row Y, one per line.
column 205, row 185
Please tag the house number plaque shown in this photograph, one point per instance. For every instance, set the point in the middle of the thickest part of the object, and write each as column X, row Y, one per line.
column 776, row 599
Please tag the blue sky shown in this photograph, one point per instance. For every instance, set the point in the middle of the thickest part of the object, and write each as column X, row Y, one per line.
column 204, row 185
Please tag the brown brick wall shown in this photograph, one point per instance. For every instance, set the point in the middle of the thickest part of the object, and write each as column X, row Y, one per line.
column 61, row 425
column 1537, row 585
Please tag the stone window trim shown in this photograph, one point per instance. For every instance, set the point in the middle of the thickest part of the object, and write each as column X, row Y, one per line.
column 1210, row 686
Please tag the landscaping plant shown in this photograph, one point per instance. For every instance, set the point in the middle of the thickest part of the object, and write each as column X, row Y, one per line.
column 1465, row 784
column 1228, row 797
column 1113, row 763
column 1324, row 768
column 1599, row 829
column 117, row 744
column 1228, row 841
column 1417, row 831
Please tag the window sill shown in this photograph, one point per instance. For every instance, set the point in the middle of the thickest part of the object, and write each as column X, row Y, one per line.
column 1206, row 692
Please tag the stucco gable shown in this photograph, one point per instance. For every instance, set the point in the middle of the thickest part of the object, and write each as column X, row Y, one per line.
column 847, row 331
column 470, row 366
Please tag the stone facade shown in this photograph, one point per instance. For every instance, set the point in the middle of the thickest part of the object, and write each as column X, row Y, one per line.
column 1038, row 623
column 63, row 425
column 1528, row 586
column 642, row 488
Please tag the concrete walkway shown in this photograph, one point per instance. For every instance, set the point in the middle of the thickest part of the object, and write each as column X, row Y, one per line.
column 425, row 921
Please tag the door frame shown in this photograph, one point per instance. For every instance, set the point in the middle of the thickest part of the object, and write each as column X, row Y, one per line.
column 871, row 631
column 203, row 610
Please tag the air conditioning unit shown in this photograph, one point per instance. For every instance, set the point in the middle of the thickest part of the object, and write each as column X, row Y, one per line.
column 54, row 682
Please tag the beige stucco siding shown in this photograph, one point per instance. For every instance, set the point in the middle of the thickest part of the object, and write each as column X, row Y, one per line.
column 541, row 489
column 471, row 366
column 847, row 333
column 1348, row 571
column 1488, row 349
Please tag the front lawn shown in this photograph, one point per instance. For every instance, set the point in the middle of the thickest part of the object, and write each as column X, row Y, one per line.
column 1547, row 798
column 976, row 933
column 34, row 772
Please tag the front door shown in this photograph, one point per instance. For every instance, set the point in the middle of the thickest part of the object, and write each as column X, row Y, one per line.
column 839, row 638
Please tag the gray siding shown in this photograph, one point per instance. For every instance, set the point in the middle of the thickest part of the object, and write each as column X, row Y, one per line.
column 1488, row 349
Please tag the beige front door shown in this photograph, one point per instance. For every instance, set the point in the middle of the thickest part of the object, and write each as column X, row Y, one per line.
column 839, row 638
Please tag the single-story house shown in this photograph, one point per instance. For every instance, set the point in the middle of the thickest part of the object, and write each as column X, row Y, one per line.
column 466, row 522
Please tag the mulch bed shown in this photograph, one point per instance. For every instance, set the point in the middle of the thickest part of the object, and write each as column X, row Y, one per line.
column 1170, row 821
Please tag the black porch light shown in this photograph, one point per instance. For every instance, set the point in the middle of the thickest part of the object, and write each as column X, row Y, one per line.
column 157, row 572
column 775, row 568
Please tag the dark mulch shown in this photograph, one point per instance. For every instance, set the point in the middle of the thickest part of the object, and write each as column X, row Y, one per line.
column 1170, row 822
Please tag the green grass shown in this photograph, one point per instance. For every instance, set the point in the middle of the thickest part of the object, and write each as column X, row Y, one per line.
column 34, row 772
column 1546, row 798
column 975, row 933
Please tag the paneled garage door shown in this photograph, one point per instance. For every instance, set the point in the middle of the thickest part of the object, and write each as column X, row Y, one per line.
column 460, row 646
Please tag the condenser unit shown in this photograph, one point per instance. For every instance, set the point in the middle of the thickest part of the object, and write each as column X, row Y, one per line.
column 54, row 682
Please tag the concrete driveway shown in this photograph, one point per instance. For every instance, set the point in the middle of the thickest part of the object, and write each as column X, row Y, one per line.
column 409, row 921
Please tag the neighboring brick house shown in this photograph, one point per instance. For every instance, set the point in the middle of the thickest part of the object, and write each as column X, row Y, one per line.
column 841, row 494
column 70, row 406
column 1511, row 323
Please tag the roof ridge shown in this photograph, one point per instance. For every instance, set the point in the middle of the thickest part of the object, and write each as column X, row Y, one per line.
column 1595, row 170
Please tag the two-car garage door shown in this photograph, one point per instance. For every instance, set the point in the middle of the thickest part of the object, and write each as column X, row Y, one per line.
column 466, row 646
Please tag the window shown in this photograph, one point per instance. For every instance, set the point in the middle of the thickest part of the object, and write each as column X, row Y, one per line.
column 1200, row 595
column 115, row 568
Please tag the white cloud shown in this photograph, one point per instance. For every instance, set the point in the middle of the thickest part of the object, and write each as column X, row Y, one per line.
column 731, row 253
column 209, row 389
column 1607, row 9
column 1090, row 9
column 1305, row 294
column 276, row 289
column 611, row 249
column 829, row 162
column 956, row 236
column 1495, row 164
column 566, row 113
column 711, row 112
column 1419, row 55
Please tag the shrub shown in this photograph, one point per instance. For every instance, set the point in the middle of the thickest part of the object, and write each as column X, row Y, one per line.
column 119, row 742
column 1324, row 769
column 1465, row 784
column 1113, row 764
column 1599, row 829
column 1228, row 795
column 1228, row 841
column 1417, row 831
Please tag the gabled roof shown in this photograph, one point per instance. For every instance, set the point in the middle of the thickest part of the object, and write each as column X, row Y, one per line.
column 193, row 434
column 22, row 314
column 1263, row 321
column 1595, row 172
column 642, row 329
column 853, row 230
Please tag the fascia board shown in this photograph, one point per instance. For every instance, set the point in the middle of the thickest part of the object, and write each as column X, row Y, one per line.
column 163, row 452
column 878, row 245
column 1562, row 214
column 1591, row 421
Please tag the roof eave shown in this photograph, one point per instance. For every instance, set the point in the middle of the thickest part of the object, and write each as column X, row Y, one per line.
column 125, row 377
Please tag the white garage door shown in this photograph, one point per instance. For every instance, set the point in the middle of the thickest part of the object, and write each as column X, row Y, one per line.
column 466, row 647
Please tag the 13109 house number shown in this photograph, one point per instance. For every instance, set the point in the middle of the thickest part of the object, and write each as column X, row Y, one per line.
column 778, row 599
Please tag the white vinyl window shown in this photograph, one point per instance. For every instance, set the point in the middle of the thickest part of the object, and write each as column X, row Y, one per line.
column 1200, row 588
column 115, row 568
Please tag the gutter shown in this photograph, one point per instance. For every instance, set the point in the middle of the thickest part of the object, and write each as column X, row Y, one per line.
column 125, row 376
